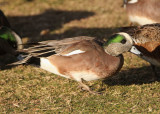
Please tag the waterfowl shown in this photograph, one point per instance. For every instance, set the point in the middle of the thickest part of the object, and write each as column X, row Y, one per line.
column 143, row 11
column 144, row 41
column 78, row 58
column 9, row 41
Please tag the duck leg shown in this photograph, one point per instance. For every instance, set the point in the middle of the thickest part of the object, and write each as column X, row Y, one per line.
column 87, row 88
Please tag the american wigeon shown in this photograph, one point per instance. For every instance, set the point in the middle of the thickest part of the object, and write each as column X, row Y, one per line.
column 143, row 41
column 143, row 11
column 9, row 41
column 79, row 58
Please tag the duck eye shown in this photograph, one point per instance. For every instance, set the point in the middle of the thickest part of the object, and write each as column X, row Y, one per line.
column 123, row 41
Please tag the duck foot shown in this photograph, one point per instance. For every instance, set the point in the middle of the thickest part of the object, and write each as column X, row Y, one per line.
column 87, row 88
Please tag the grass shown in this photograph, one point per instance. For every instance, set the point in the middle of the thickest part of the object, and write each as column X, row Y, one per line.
column 27, row 89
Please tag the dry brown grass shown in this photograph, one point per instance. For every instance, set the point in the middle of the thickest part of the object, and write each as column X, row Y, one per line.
column 31, row 90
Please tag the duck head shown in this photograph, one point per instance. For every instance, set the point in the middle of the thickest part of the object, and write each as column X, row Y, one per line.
column 11, row 37
column 118, row 44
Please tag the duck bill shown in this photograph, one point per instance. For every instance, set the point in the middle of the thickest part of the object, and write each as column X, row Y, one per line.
column 135, row 51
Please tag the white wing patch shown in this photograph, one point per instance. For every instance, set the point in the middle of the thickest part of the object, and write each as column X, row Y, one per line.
column 74, row 52
column 132, row 1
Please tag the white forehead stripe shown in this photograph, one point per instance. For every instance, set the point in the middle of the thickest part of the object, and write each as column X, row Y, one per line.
column 133, row 1
column 74, row 52
column 127, row 36
column 134, row 50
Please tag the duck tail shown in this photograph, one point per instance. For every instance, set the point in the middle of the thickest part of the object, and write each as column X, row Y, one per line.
column 38, row 50
column 32, row 53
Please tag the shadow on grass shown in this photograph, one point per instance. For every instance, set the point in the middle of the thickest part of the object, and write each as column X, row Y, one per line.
column 6, row 59
column 31, row 26
column 138, row 76
column 99, row 33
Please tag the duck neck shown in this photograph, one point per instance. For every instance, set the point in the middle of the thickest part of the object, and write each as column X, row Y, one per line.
column 115, row 63
column 121, row 58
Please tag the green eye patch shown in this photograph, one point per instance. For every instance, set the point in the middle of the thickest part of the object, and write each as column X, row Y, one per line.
column 114, row 39
column 6, row 33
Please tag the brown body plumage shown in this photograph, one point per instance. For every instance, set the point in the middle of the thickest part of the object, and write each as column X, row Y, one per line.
column 94, row 59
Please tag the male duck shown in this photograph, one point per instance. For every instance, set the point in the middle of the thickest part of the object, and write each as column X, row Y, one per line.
column 143, row 41
column 79, row 58
column 143, row 11
column 9, row 41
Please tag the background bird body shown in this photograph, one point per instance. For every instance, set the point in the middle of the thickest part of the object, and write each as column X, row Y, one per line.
column 9, row 41
column 143, row 11
column 146, row 39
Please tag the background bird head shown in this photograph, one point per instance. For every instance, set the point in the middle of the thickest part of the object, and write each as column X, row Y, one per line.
column 11, row 37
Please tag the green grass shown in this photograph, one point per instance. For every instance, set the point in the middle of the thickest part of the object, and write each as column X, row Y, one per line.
column 27, row 89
